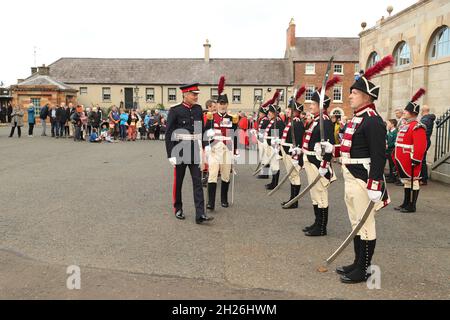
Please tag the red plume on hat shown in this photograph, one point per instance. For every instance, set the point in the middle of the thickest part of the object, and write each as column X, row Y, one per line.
column 333, row 81
column 300, row 92
column 418, row 94
column 221, row 86
column 272, row 101
column 387, row 61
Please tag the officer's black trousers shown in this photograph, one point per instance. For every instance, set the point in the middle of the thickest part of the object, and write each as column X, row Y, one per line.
column 179, row 173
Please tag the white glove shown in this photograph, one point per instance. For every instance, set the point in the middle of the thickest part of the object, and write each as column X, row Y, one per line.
column 208, row 149
column 323, row 171
column 173, row 161
column 318, row 149
column 374, row 196
column 295, row 151
column 275, row 142
column 236, row 157
column 252, row 132
column 328, row 147
column 210, row 133
column 294, row 162
column 260, row 135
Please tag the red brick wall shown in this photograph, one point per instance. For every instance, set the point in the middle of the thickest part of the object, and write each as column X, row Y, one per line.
column 348, row 79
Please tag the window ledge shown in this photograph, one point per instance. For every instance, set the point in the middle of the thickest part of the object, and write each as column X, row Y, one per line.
column 338, row 101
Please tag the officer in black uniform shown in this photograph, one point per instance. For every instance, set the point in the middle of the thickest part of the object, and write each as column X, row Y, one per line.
column 291, row 133
column 184, row 139
column 273, row 134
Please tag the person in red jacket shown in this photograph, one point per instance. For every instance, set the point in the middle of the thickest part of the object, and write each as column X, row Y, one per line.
column 410, row 148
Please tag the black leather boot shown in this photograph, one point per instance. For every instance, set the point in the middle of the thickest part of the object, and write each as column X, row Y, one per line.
column 359, row 274
column 320, row 229
column 295, row 190
column 356, row 247
column 406, row 199
column 316, row 214
column 274, row 183
column 224, row 194
column 211, row 196
column 411, row 206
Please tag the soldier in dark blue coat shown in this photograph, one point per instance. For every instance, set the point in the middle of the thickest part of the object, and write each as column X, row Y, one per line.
column 184, row 142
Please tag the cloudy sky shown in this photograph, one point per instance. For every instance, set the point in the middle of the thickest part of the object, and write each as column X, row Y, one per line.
column 170, row 28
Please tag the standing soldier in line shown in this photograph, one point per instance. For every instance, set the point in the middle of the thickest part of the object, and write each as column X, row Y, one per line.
column 223, row 149
column 316, row 164
column 291, row 143
column 258, row 132
column 363, row 151
column 211, row 108
column 410, row 148
column 272, row 138
column 184, row 138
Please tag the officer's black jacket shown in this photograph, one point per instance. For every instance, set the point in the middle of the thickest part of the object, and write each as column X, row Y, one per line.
column 182, row 117
column 369, row 141
column 231, row 133
column 315, row 138
column 299, row 131
column 276, row 130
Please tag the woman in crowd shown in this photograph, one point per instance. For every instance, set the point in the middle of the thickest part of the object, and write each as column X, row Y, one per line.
column 31, row 120
column 133, row 120
column 16, row 120
column 123, row 125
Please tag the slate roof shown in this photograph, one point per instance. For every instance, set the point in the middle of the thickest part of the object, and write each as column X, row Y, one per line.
column 321, row 49
column 42, row 80
column 252, row 72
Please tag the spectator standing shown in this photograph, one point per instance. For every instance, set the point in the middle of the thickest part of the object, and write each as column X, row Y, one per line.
column 133, row 120
column 428, row 120
column 9, row 111
column 157, row 124
column 31, row 119
column 114, row 122
column 123, row 125
column 16, row 121
column 391, row 137
column 43, row 116
column 53, row 120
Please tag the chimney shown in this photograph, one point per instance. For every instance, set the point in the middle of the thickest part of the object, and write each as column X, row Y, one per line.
column 290, row 35
column 44, row 71
column 33, row 70
column 207, row 47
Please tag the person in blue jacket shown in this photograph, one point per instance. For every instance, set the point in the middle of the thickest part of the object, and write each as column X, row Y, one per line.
column 31, row 120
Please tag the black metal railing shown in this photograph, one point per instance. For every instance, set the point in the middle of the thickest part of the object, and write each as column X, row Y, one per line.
column 442, row 136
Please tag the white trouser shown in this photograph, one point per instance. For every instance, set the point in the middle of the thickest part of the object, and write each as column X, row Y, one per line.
column 357, row 200
column 319, row 193
column 294, row 177
column 219, row 160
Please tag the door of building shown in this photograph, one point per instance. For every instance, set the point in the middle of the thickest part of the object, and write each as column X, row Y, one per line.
column 128, row 98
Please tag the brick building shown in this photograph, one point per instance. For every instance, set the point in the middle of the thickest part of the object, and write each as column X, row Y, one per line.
column 41, row 89
column 310, row 56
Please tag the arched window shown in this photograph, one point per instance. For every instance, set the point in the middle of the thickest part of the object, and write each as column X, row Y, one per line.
column 402, row 54
column 337, row 112
column 440, row 43
column 373, row 59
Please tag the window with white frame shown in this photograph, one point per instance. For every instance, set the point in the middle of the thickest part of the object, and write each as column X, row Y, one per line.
column 357, row 69
column 258, row 95
column 281, row 99
column 214, row 94
column 150, row 94
column 310, row 68
column 440, row 45
column 309, row 93
column 402, row 54
column 337, row 94
column 236, row 95
column 83, row 90
column 172, row 94
column 106, row 94
column 339, row 69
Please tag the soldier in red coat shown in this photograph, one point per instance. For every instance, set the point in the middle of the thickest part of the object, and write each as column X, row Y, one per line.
column 410, row 148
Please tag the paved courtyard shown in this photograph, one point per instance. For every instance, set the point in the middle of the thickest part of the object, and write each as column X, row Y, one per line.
column 107, row 209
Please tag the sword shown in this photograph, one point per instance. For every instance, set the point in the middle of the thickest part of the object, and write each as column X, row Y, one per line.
column 286, row 177
column 300, row 195
column 233, row 177
column 264, row 164
column 352, row 234
column 282, row 181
